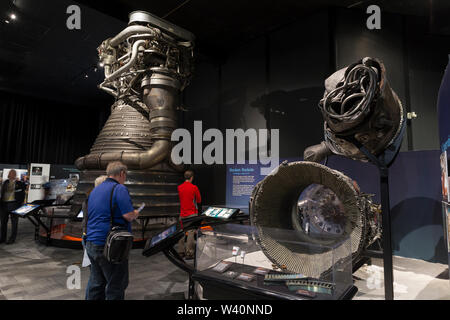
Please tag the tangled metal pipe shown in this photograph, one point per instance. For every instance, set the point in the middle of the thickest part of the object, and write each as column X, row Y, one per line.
column 130, row 31
column 147, row 65
column 345, row 104
column 138, row 45
column 359, row 108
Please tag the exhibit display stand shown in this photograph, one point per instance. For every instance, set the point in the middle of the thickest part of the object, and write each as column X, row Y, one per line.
column 230, row 264
column 166, row 240
column 43, row 214
column 387, row 235
column 383, row 168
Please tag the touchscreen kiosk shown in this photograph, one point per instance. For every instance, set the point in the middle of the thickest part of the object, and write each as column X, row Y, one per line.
column 163, row 235
column 26, row 209
column 220, row 213
column 163, row 240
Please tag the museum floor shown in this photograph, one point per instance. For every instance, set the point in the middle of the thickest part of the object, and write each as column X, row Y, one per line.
column 33, row 271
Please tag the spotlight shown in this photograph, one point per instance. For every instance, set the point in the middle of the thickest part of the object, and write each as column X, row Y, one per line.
column 6, row 21
column 86, row 76
column 13, row 16
column 101, row 64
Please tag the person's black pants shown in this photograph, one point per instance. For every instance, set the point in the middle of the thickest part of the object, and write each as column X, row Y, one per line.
column 107, row 281
column 5, row 213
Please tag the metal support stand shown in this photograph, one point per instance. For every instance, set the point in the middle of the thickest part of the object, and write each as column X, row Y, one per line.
column 175, row 258
column 387, row 240
column 386, row 220
column 144, row 222
column 37, row 222
column 35, row 218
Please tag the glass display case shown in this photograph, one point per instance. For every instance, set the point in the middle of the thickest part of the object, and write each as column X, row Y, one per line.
column 232, row 263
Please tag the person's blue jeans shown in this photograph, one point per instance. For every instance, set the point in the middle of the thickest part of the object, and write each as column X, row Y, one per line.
column 107, row 281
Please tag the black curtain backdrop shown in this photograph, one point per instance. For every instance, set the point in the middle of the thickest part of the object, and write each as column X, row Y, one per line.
column 35, row 130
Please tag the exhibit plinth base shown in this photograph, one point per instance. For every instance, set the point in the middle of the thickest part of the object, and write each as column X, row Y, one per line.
column 221, row 288
column 383, row 168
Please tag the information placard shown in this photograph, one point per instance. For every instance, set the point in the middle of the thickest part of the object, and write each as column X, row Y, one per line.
column 220, row 213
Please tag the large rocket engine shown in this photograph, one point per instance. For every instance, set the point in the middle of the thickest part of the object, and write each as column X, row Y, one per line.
column 147, row 66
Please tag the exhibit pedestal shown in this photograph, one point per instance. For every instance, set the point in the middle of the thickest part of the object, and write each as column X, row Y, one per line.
column 230, row 264
column 386, row 219
column 215, row 288
column 387, row 235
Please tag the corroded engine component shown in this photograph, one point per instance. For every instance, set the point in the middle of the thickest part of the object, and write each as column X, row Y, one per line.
column 359, row 106
column 323, row 205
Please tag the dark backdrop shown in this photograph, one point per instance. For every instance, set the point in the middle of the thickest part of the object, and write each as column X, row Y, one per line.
column 284, row 70
column 36, row 130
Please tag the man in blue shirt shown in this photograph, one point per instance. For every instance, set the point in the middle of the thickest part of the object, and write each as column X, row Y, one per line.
column 107, row 281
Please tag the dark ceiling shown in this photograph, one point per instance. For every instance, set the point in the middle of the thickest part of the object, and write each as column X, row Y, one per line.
column 221, row 26
column 41, row 57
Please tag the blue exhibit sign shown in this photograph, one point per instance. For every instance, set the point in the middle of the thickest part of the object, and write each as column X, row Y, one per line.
column 241, row 179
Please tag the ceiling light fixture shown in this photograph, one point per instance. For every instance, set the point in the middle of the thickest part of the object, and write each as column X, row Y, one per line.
column 6, row 21
column 13, row 16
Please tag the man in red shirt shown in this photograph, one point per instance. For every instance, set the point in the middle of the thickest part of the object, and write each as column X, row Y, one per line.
column 189, row 199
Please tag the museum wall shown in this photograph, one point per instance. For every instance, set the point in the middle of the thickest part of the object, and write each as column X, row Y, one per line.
column 283, row 70
column 416, row 209
column 427, row 58
column 415, row 62
column 201, row 102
